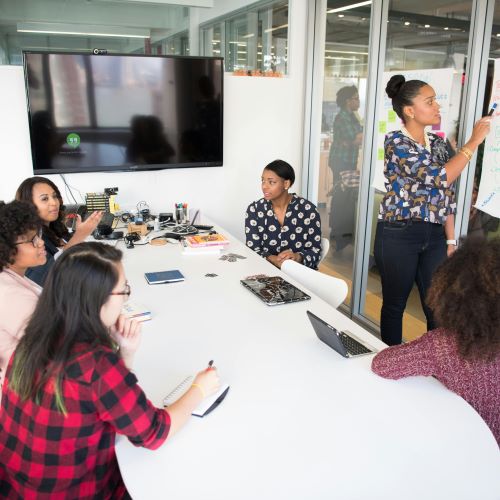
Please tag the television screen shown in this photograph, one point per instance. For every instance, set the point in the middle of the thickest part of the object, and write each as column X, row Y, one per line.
column 123, row 112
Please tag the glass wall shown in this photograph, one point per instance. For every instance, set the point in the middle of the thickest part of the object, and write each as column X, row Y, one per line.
column 344, row 92
column 177, row 44
column 75, row 25
column 253, row 39
column 482, row 219
column 428, row 42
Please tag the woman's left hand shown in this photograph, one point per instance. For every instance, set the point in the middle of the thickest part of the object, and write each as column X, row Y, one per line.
column 127, row 334
column 288, row 254
column 86, row 228
column 450, row 250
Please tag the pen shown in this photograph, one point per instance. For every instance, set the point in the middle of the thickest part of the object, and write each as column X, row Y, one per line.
column 210, row 363
column 492, row 110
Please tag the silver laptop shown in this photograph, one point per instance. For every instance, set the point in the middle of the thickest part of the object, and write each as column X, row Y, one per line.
column 345, row 343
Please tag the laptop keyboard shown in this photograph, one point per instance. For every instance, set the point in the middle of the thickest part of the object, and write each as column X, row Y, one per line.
column 353, row 346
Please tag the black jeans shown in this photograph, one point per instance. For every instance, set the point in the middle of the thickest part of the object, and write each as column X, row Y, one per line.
column 406, row 252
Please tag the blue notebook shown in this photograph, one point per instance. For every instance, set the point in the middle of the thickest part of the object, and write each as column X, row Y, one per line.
column 164, row 277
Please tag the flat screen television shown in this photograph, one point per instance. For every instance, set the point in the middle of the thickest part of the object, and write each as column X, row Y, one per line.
column 90, row 113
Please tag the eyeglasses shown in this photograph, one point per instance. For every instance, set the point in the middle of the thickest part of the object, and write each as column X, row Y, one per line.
column 126, row 292
column 34, row 241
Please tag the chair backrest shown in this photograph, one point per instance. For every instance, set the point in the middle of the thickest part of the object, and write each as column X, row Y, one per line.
column 325, row 246
column 330, row 289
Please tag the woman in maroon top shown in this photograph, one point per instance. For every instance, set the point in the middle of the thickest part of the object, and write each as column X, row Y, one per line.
column 464, row 354
column 69, row 389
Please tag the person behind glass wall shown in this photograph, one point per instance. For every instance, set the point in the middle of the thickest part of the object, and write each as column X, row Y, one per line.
column 21, row 247
column 45, row 196
column 464, row 353
column 415, row 231
column 282, row 225
column 343, row 161
column 70, row 380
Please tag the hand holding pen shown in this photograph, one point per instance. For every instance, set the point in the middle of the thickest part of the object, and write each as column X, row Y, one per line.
column 207, row 381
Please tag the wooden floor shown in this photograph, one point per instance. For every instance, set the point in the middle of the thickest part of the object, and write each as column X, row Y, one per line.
column 339, row 264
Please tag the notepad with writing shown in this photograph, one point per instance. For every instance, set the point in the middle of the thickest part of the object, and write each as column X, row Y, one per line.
column 164, row 277
column 206, row 406
column 134, row 310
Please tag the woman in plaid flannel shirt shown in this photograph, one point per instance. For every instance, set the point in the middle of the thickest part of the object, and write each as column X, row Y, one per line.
column 69, row 389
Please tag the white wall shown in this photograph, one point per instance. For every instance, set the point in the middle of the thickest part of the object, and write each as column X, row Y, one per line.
column 263, row 120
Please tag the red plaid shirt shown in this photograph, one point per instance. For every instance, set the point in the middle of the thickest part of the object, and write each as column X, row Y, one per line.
column 46, row 454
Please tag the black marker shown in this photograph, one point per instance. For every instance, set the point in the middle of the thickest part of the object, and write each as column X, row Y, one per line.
column 210, row 363
column 492, row 110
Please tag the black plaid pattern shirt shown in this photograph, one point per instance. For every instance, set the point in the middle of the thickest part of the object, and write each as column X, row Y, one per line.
column 45, row 454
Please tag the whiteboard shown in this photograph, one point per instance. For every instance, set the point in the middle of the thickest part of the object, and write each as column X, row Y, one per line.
column 488, row 197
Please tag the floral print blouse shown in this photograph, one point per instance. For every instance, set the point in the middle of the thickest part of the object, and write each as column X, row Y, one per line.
column 301, row 230
column 415, row 180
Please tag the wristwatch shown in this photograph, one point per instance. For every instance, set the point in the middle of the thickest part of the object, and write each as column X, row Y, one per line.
column 451, row 242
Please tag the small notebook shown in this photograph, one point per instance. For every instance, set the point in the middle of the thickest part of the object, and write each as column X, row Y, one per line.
column 164, row 277
column 206, row 406
column 136, row 311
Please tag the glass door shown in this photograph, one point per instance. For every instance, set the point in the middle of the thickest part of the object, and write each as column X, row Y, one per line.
column 485, row 204
column 344, row 92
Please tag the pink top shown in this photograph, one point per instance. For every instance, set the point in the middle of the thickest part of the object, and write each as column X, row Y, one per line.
column 18, row 298
column 436, row 354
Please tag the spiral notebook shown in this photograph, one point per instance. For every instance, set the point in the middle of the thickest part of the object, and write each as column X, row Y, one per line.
column 206, row 406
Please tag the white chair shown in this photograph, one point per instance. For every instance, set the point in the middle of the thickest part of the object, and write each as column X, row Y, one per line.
column 325, row 246
column 330, row 289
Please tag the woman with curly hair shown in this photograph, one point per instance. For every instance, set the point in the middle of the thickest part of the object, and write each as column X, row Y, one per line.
column 21, row 247
column 46, row 197
column 464, row 353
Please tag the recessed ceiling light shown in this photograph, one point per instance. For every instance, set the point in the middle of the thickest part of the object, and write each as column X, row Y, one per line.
column 407, row 23
column 427, row 26
column 341, row 15
column 446, row 29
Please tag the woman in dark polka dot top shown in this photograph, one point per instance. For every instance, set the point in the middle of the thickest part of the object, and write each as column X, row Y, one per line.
column 282, row 225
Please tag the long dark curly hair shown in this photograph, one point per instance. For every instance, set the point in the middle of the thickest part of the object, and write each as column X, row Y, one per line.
column 16, row 219
column 465, row 298
column 56, row 231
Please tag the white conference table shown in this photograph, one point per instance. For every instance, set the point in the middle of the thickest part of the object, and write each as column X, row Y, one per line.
column 299, row 421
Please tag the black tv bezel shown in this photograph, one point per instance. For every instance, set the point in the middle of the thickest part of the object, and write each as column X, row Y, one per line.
column 122, row 168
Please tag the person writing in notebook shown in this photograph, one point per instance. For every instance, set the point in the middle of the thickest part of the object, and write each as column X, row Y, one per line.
column 464, row 353
column 69, row 388
column 283, row 225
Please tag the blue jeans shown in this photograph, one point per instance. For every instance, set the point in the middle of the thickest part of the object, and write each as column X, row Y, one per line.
column 406, row 252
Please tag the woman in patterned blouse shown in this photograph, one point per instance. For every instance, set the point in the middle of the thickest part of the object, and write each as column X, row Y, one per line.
column 281, row 225
column 415, row 231
column 69, row 390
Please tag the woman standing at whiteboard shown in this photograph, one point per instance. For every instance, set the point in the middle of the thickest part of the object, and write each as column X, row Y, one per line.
column 415, row 231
